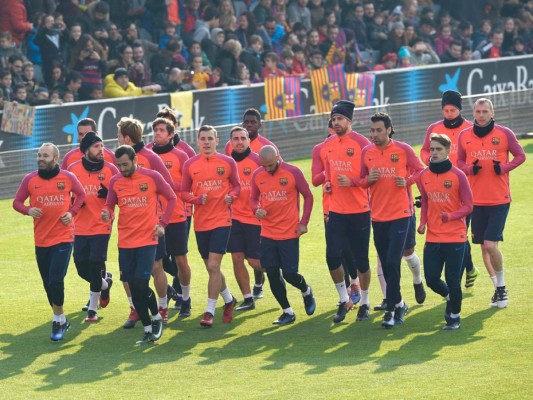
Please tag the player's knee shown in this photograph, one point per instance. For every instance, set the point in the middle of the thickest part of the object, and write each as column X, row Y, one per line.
column 292, row 277
column 333, row 262
column 83, row 269
column 56, row 290
column 139, row 286
column 213, row 267
column 408, row 252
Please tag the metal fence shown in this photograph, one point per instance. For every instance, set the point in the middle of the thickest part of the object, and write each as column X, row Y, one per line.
column 295, row 137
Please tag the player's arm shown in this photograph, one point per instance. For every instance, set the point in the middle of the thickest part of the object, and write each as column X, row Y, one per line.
column 111, row 201
column 21, row 196
column 234, row 179
column 424, row 151
column 186, row 186
column 303, row 187
column 166, row 190
column 318, row 174
column 461, row 157
column 467, row 201
column 519, row 156
column 79, row 193
column 424, row 207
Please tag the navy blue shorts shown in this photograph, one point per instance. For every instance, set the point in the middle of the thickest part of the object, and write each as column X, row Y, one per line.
column 176, row 237
column 53, row 262
column 244, row 238
column 161, row 248
column 284, row 254
column 91, row 248
column 410, row 240
column 136, row 263
column 213, row 241
column 488, row 223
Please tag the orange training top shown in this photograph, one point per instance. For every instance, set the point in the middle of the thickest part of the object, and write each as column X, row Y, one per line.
column 453, row 134
column 76, row 155
column 240, row 208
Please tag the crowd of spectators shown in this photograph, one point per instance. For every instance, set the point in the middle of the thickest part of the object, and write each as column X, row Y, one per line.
column 55, row 51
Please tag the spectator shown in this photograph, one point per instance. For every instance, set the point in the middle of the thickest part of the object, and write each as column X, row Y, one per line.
column 243, row 71
column 170, row 33
column 409, row 35
column 99, row 23
column 173, row 81
column 492, row 48
column 7, row 49
column 466, row 54
column 443, row 39
column 271, row 69
column 395, row 40
column 316, row 60
column 58, row 77
column 125, row 59
column 74, row 34
column 50, row 38
column 275, row 32
column 169, row 57
column 33, row 52
column 227, row 14
column 377, row 32
column 317, row 11
column 369, row 10
column 482, row 33
column 453, row 54
column 114, row 40
column 300, row 65
column 6, row 85
column 95, row 92
column 54, row 98
column 203, row 27
column 42, row 96
column 510, row 33
column 389, row 61
column 15, row 64
column 73, row 84
column 72, row 12
column 518, row 48
column 426, row 30
column 263, row 11
column 20, row 94
column 87, row 59
column 196, row 50
column 132, row 36
column 217, row 78
column 287, row 57
column 14, row 19
column 192, row 14
column 213, row 46
column 227, row 62
column 28, row 76
column 119, row 85
column 313, row 42
column 247, row 28
column 423, row 54
column 279, row 7
column 297, row 11
column 252, row 58
column 200, row 74
column 140, row 72
column 68, row 97
column 463, row 33
column 404, row 56
column 356, row 23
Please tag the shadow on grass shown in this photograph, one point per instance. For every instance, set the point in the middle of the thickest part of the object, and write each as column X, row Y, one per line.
column 425, row 347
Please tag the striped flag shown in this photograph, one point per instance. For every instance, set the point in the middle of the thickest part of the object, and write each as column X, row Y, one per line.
column 360, row 88
column 329, row 86
column 283, row 97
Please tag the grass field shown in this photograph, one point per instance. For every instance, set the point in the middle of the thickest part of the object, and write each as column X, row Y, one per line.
column 489, row 357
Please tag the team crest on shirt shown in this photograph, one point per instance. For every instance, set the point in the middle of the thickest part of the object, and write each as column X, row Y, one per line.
column 61, row 185
column 283, row 181
column 168, row 164
column 246, row 170
column 395, row 157
column 447, row 184
column 101, row 176
column 143, row 187
column 349, row 152
column 495, row 141
column 220, row 170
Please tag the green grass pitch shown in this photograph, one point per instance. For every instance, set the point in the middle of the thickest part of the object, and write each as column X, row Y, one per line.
column 490, row 356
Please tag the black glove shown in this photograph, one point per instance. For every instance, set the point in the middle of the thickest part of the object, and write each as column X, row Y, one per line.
column 418, row 202
column 476, row 167
column 497, row 167
column 102, row 193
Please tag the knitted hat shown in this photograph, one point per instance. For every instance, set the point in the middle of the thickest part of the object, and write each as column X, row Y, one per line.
column 453, row 98
column 404, row 52
column 88, row 140
column 120, row 72
column 344, row 108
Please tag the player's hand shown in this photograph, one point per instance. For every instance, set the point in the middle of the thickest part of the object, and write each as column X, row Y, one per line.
column 260, row 213
column 400, row 181
column 158, row 231
column 301, row 229
column 374, row 175
column 106, row 216
column 102, row 192
column 418, row 201
column 444, row 217
column 421, row 229
column 35, row 212
column 327, row 187
column 344, row 181
column 66, row 218
column 203, row 199
column 475, row 167
column 497, row 167
column 228, row 199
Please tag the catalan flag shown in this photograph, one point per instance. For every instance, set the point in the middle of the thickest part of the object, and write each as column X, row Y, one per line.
column 360, row 88
column 283, row 97
column 329, row 86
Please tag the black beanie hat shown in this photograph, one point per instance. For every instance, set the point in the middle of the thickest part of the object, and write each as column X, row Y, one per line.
column 344, row 108
column 88, row 140
column 120, row 72
column 453, row 98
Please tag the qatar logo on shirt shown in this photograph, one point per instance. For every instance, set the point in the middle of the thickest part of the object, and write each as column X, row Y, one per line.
column 101, row 176
column 220, row 170
column 394, row 157
column 349, row 152
column 143, row 187
column 168, row 164
column 61, row 185
column 283, row 181
column 247, row 171
column 447, row 184
column 495, row 141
